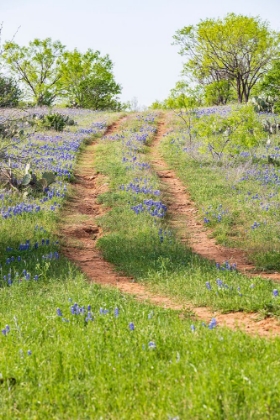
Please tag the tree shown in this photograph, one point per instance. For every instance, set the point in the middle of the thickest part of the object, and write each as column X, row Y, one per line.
column 181, row 96
column 218, row 92
column 270, row 84
column 238, row 49
column 9, row 92
column 229, row 134
column 37, row 67
column 87, row 80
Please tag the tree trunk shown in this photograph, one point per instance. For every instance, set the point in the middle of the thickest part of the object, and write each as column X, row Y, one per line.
column 239, row 89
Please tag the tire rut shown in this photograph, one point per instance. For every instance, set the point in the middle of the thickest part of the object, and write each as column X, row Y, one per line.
column 183, row 213
column 79, row 232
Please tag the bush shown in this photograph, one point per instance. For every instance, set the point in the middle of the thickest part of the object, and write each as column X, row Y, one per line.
column 51, row 121
column 9, row 92
column 240, row 129
column 218, row 93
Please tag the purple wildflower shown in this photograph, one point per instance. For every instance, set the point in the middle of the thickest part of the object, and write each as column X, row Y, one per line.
column 58, row 312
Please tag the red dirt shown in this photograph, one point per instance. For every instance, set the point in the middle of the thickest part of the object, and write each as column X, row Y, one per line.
column 79, row 231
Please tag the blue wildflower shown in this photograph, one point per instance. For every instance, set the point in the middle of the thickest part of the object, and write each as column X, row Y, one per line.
column 220, row 283
column 131, row 326
column 89, row 317
column 208, row 285
column 212, row 324
column 58, row 311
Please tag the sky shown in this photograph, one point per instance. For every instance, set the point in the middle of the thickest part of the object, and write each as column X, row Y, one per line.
column 137, row 35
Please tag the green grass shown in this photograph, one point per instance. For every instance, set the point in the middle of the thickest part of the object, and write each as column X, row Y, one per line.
column 238, row 196
column 102, row 369
column 65, row 367
column 144, row 246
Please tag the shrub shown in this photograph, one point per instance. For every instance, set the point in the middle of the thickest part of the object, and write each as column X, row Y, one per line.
column 9, row 92
column 53, row 121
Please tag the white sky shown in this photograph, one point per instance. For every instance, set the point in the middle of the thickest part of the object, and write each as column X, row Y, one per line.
column 137, row 35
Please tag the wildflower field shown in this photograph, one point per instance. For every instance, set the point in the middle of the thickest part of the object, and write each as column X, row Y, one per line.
column 74, row 349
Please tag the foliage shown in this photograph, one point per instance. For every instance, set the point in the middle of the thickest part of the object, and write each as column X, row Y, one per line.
column 270, row 86
column 10, row 128
column 28, row 183
column 53, row 121
column 9, row 92
column 219, row 92
column 36, row 66
column 237, row 49
column 87, row 80
column 226, row 134
column 183, row 96
column 262, row 103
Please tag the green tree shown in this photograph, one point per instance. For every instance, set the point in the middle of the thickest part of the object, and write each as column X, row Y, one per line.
column 271, row 81
column 87, row 80
column 9, row 92
column 218, row 93
column 239, row 130
column 182, row 96
column 238, row 49
column 37, row 67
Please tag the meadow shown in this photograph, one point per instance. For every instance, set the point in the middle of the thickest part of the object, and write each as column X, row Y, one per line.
column 237, row 195
column 74, row 349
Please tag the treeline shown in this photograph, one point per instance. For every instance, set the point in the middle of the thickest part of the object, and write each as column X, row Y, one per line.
column 44, row 73
column 230, row 59
column 234, row 59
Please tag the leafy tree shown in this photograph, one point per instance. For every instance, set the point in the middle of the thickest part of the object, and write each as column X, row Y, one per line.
column 9, row 92
column 87, row 80
column 183, row 96
column 269, row 88
column 229, row 134
column 237, row 49
column 270, row 84
column 219, row 92
column 36, row 67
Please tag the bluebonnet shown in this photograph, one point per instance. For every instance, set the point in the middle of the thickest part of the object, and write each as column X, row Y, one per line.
column 212, row 324
column 103, row 311
column 59, row 312
column 6, row 330
column 89, row 317
column 131, row 326
column 220, row 283
column 208, row 285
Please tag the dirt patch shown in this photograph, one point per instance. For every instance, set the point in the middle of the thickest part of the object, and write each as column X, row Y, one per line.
column 79, row 231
